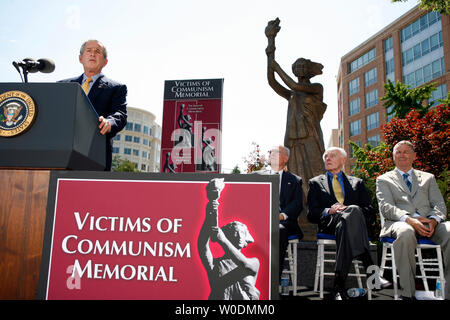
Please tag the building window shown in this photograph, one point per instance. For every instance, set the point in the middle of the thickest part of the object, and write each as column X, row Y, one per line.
column 135, row 152
column 145, row 142
column 144, row 154
column 421, row 49
column 362, row 61
column 129, row 126
column 371, row 98
column 439, row 93
column 388, row 44
column 425, row 74
column 355, row 127
column 354, row 106
column 389, row 116
column 127, row 151
column 143, row 167
column 419, row 25
column 128, row 138
column 117, row 137
column 137, row 127
column 116, row 150
column 136, row 139
column 374, row 140
column 146, row 131
column 372, row 121
column 390, row 66
column 353, row 86
column 370, row 77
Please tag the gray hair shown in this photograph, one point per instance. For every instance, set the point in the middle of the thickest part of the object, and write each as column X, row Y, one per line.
column 286, row 149
column 330, row 149
column 408, row 143
column 105, row 52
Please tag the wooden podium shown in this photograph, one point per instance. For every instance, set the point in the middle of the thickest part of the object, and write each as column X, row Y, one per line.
column 64, row 136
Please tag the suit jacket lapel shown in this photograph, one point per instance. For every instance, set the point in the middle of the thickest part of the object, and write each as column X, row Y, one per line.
column 416, row 179
column 96, row 89
column 398, row 179
column 324, row 183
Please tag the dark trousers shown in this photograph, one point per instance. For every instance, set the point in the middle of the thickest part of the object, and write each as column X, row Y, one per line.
column 351, row 241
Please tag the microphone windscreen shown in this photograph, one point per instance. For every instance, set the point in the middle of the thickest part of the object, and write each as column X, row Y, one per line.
column 46, row 65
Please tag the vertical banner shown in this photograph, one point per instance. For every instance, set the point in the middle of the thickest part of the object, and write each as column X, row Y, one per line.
column 160, row 237
column 192, row 124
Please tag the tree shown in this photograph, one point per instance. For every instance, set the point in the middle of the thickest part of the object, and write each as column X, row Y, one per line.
column 122, row 165
column 255, row 161
column 236, row 170
column 430, row 135
column 441, row 6
column 403, row 99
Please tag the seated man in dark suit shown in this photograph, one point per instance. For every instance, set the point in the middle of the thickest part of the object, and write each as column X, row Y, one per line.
column 107, row 96
column 291, row 198
column 340, row 205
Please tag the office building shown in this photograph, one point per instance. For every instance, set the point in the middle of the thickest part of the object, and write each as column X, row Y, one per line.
column 414, row 49
column 139, row 141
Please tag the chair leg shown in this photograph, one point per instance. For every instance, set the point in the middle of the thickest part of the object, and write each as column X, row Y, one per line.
column 322, row 270
column 394, row 273
column 294, row 268
column 441, row 271
column 422, row 268
column 358, row 274
column 316, row 276
column 383, row 260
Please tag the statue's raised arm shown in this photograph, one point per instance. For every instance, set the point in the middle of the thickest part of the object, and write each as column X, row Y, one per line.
column 273, row 27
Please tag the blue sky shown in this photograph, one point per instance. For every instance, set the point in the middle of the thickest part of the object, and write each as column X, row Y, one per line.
column 152, row 41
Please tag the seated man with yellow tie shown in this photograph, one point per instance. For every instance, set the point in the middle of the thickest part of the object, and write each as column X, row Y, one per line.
column 341, row 206
column 107, row 96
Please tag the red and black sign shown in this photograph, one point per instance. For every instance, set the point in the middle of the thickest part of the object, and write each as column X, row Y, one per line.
column 191, row 128
column 156, row 236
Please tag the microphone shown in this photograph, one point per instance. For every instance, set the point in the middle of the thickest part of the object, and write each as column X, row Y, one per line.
column 32, row 66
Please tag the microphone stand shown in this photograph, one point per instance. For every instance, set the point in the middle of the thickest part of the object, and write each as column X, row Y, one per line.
column 16, row 65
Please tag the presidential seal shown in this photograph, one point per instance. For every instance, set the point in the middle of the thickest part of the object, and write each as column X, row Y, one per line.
column 17, row 113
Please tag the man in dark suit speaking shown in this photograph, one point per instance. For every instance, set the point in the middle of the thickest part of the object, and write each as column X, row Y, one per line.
column 341, row 206
column 107, row 96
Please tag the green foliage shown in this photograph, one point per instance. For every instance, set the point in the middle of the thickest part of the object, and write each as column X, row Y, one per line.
column 403, row 99
column 441, row 6
column 122, row 165
column 444, row 185
column 445, row 101
column 372, row 162
column 236, row 170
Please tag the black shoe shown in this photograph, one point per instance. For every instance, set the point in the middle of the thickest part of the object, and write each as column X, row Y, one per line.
column 413, row 298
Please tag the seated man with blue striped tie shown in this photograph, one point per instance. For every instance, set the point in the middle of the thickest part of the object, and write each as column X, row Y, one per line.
column 412, row 206
column 341, row 206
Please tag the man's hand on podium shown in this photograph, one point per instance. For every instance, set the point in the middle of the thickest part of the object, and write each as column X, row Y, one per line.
column 104, row 125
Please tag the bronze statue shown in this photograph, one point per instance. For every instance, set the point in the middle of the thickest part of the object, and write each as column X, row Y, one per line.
column 305, row 110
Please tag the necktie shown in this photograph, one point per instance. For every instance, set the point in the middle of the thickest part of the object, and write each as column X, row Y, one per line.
column 85, row 85
column 408, row 183
column 337, row 189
